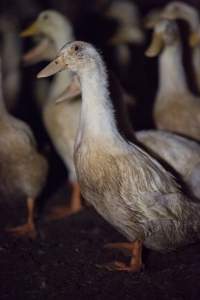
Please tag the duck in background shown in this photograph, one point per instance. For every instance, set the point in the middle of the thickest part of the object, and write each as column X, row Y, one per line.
column 176, row 109
column 23, row 170
column 127, row 187
column 10, row 60
column 180, row 10
column 61, row 121
column 129, row 29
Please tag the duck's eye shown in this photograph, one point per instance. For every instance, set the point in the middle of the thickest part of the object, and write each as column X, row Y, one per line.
column 45, row 17
column 76, row 47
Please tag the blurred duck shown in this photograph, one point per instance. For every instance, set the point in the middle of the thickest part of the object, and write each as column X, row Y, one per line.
column 129, row 28
column 152, row 18
column 10, row 60
column 23, row 170
column 176, row 109
column 127, row 186
column 180, row 10
column 61, row 121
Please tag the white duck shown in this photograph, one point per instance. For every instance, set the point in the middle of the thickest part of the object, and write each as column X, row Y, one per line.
column 128, row 187
column 61, row 121
column 23, row 170
column 180, row 10
column 176, row 109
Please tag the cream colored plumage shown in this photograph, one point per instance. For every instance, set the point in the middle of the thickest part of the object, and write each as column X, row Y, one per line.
column 180, row 10
column 128, row 187
column 23, row 170
column 176, row 109
column 61, row 121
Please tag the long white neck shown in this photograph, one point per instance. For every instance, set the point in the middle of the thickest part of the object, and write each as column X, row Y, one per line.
column 62, row 79
column 97, row 116
column 171, row 72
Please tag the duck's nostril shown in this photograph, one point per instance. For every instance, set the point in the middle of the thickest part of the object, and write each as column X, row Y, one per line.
column 56, row 62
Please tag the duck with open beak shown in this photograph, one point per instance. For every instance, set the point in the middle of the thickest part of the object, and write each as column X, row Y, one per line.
column 61, row 122
column 127, row 186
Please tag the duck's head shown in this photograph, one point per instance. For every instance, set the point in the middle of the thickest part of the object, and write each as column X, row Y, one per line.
column 165, row 34
column 127, row 15
column 152, row 18
column 180, row 10
column 74, row 56
column 51, row 29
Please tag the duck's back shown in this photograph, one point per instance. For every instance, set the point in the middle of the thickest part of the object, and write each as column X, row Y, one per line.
column 178, row 113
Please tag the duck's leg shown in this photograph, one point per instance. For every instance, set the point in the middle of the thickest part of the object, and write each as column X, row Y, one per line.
column 27, row 229
column 135, row 265
column 67, row 210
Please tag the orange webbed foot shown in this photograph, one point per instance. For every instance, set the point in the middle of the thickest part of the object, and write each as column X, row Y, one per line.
column 135, row 249
column 27, row 230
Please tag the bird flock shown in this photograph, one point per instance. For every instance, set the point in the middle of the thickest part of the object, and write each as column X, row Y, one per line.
column 145, row 183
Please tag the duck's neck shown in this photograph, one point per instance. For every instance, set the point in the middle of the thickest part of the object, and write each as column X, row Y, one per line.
column 171, row 72
column 97, row 116
column 62, row 79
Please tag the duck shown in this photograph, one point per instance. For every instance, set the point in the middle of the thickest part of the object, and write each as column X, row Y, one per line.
column 127, row 186
column 61, row 121
column 184, row 11
column 176, row 109
column 129, row 30
column 23, row 169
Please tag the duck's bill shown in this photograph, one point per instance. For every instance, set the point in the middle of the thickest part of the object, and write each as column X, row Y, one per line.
column 52, row 68
column 156, row 46
column 72, row 91
column 39, row 52
column 194, row 39
column 30, row 31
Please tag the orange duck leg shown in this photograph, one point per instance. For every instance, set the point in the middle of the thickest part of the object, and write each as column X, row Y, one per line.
column 135, row 265
column 28, row 229
column 75, row 206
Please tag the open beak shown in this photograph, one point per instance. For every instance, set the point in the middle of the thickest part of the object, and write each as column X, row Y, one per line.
column 72, row 91
column 156, row 45
column 194, row 39
column 39, row 52
column 33, row 29
column 53, row 67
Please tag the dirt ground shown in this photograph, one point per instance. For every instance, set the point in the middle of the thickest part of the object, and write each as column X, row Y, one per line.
column 63, row 263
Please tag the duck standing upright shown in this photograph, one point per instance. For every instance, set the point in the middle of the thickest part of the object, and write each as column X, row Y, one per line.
column 180, row 10
column 23, row 170
column 176, row 109
column 61, row 121
column 128, row 187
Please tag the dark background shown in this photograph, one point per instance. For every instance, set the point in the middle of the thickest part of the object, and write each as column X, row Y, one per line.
column 61, row 263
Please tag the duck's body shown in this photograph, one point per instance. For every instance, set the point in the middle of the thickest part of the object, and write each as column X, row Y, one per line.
column 128, row 187
column 61, row 122
column 23, row 170
column 176, row 109
column 182, row 154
